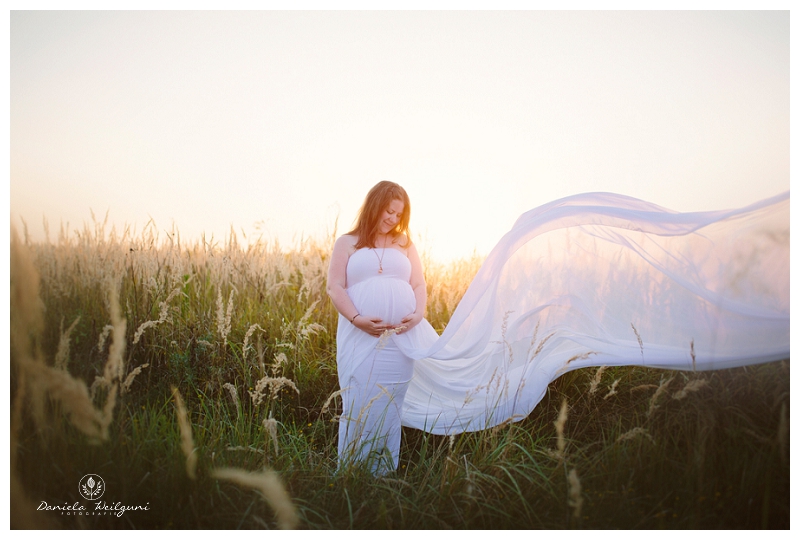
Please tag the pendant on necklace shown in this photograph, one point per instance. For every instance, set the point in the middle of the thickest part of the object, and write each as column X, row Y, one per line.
column 380, row 259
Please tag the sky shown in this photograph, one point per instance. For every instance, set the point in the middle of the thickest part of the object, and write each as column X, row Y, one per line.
column 277, row 123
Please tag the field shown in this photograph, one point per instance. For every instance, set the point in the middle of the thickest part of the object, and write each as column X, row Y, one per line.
column 198, row 382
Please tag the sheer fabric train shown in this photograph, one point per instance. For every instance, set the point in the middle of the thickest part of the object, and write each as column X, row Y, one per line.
column 589, row 280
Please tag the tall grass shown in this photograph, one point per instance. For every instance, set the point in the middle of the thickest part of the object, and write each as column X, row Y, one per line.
column 245, row 335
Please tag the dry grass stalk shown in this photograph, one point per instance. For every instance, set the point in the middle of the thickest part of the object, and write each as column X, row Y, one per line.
column 565, row 367
column 365, row 409
column 62, row 355
column 260, row 356
column 108, row 409
column 660, row 390
column 312, row 328
column 384, row 339
column 126, row 386
column 559, row 424
column 643, row 387
column 694, row 358
column 639, row 339
column 635, row 432
column 187, row 443
column 275, row 384
column 575, row 495
column 224, row 317
column 307, row 315
column 98, row 383
column 246, row 345
column 582, row 356
column 691, row 386
column 244, row 449
column 598, row 375
column 16, row 417
column 357, row 422
column 73, row 397
column 163, row 316
column 613, row 390
column 101, row 342
column 304, row 328
column 43, row 382
column 503, row 331
column 271, row 427
column 280, row 360
column 234, row 396
column 271, row 488
column 330, row 400
column 541, row 343
column 27, row 321
column 115, row 365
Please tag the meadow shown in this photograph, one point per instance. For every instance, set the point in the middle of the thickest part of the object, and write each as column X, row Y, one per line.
column 198, row 380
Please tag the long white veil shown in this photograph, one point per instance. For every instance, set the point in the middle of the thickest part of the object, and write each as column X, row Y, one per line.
column 603, row 279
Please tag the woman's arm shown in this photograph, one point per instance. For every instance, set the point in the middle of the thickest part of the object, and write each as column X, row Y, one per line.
column 337, row 289
column 417, row 282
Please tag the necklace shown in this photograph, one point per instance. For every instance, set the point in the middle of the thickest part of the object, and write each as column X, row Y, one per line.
column 380, row 259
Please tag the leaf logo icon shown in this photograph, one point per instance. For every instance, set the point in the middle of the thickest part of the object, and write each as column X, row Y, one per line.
column 91, row 489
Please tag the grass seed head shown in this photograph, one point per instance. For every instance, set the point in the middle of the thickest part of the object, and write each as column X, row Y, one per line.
column 271, row 427
column 62, row 355
column 613, row 390
column 660, row 390
column 246, row 345
column 596, row 381
column 639, row 339
column 26, row 305
column 126, row 386
column 234, row 395
column 271, row 488
column 635, row 432
column 330, row 399
column 691, row 386
column 559, row 424
column 575, row 495
column 187, row 443
column 101, row 342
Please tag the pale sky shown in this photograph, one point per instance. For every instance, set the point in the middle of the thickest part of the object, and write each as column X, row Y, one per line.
column 279, row 121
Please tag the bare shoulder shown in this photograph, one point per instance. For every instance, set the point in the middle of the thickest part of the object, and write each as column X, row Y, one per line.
column 403, row 243
column 346, row 243
column 411, row 250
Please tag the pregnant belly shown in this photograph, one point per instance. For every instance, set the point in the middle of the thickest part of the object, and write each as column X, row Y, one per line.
column 387, row 299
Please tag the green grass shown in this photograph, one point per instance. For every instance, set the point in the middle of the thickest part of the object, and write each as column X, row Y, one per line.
column 716, row 459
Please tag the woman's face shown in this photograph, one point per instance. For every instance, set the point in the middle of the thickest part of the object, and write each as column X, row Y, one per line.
column 391, row 216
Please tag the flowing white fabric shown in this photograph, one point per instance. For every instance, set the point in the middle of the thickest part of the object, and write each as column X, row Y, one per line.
column 589, row 280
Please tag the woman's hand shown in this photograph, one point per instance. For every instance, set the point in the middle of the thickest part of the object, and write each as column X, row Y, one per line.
column 409, row 321
column 372, row 327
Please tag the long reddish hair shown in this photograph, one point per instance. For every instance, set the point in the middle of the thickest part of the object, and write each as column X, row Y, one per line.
column 378, row 199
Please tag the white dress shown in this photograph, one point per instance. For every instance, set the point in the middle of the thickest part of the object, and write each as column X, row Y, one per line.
column 589, row 280
column 374, row 373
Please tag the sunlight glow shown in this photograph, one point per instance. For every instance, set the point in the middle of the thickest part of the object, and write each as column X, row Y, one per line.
column 278, row 123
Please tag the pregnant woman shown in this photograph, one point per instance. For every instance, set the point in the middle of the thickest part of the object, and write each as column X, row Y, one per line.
column 589, row 280
column 376, row 283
